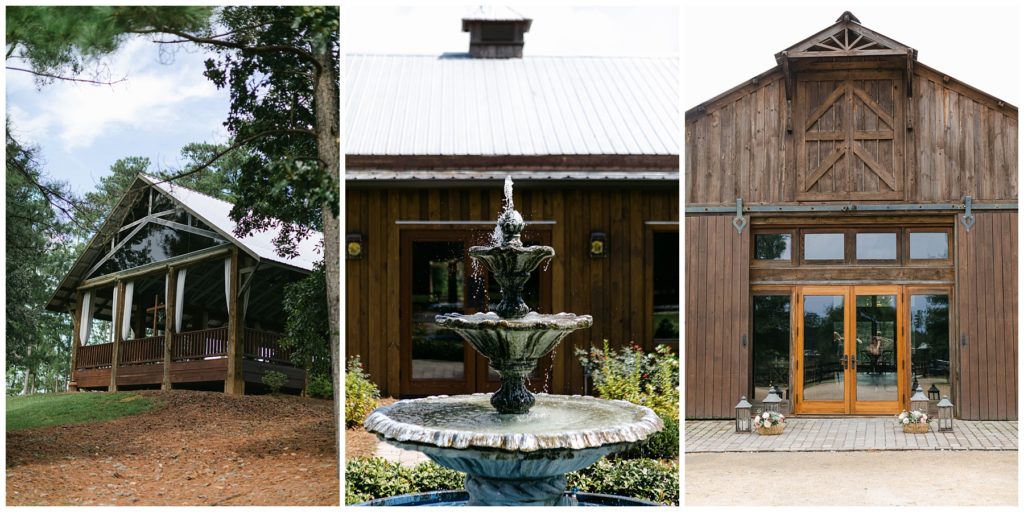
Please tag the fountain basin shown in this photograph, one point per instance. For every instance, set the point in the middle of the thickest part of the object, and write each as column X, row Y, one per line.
column 513, row 346
column 514, row 459
column 461, row 499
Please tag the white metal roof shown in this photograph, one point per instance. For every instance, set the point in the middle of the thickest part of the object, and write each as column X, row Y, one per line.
column 216, row 213
column 453, row 105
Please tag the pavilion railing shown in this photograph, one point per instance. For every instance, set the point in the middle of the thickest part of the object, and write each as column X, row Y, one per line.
column 200, row 344
column 142, row 350
column 265, row 346
column 192, row 345
column 94, row 356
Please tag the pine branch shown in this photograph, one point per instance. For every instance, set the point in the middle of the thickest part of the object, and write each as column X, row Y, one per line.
column 266, row 133
column 299, row 52
column 66, row 78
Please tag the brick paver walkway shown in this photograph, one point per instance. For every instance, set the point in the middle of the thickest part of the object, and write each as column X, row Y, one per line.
column 849, row 434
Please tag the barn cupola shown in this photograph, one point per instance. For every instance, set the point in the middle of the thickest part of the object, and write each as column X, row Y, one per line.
column 848, row 100
column 495, row 32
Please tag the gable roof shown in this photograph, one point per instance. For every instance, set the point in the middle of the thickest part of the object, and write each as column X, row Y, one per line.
column 454, row 105
column 211, row 211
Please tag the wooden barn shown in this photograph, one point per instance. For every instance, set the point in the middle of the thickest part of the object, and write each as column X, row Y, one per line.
column 185, row 302
column 592, row 146
column 851, row 231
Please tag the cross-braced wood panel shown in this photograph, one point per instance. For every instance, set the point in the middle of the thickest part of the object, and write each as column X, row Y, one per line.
column 850, row 136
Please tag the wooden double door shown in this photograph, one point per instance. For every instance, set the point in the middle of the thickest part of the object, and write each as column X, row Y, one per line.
column 851, row 350
column 439, row 277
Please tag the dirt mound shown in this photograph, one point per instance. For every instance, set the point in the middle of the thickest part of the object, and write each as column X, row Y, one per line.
column 193, row 448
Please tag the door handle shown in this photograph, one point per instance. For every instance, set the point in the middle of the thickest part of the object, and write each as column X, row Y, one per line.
column 845, row 363
column 853, row 363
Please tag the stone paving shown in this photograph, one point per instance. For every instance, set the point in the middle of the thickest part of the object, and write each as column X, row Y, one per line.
column 408, row 458
column 849, row 434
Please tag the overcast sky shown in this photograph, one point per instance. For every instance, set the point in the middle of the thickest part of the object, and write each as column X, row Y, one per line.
column 727, row 43
column 556, row 30
column 81, row 129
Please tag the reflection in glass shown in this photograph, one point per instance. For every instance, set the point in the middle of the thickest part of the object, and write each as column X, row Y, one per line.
column 438, row 286
column 876, row 246
column 772, row 246
column 876, row 355
column 929, row 342
column 770, row 345
column 929, row 246
column 823, row 347
column 155, row 242
column 666, row 286
column 823, row 246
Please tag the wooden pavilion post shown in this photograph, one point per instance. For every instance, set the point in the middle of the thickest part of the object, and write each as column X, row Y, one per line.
column 116, row 316
column 234, row 382
column 170, row 314
column 76, row 338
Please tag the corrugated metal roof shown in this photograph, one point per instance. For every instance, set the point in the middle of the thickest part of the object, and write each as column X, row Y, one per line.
column 216, row 213
column 211, row 211
column 474, row 175
column 455, row 105
column 493, row 13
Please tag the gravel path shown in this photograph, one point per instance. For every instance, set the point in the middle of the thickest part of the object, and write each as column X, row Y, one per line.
column 923, row 478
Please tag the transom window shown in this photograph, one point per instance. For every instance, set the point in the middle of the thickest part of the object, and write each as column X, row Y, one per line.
column 895, row 245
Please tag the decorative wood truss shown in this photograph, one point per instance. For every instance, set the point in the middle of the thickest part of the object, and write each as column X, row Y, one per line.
column 846, row 40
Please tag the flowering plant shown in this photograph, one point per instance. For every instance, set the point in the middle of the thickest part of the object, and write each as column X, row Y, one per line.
column 908, row 417
column 768, row 419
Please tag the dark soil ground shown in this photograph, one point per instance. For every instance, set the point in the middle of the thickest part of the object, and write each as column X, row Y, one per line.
column 192, row 448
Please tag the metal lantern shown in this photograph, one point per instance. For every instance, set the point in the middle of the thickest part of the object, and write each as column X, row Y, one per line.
column 772, row 401
column 945, row 415
column 354, row 246
column 919, row 402
column 598, row 244
column 933, row 392
column 743, row 415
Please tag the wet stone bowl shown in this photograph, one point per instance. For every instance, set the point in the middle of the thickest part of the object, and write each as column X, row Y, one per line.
column 514, row 459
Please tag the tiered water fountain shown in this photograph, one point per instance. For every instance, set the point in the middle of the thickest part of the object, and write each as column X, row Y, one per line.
column 515, row 447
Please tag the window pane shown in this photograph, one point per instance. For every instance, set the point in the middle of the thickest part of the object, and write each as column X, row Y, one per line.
column 770, row 345
column 929, row 246
column 876, row 246
column 824, row 378
column 823, row 246
column 666, row 287
column 153, row 243
column 774, row 246
column 437, row 287
column 929, row 342
column 877, row 350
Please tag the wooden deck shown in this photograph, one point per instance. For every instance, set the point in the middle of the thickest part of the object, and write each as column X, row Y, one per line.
column 197, row 356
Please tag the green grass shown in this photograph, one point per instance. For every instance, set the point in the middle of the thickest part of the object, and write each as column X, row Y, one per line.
column 67, row 408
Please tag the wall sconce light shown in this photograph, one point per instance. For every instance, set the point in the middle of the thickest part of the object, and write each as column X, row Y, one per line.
column 598, row 244
column 354, row 246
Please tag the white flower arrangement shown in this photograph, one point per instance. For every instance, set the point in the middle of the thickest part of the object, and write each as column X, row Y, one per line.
column 908, row 417
column 769, row 419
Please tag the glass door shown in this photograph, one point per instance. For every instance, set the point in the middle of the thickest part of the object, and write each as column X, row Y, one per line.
column 851, row 354
column 877, row 353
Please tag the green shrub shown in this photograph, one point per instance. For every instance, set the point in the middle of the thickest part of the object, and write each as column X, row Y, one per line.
column 637, row 478
column 320, row 386
column 274, row 380
column 361, row 393
column 372, row 478
column 663, row 445
column 629, row 374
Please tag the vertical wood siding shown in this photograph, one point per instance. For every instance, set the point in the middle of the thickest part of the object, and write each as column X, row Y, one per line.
column 717, row 315
column 613, row 289
column 962, row 143
column 987, row 317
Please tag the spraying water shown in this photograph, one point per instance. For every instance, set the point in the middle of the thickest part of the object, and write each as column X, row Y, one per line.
column 506, row 206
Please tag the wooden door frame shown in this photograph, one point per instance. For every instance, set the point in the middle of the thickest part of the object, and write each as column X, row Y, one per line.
column 850, row 405
column 902, row 353
column 475, row 365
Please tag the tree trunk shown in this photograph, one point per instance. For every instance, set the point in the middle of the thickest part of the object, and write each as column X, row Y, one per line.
column 328, row 144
